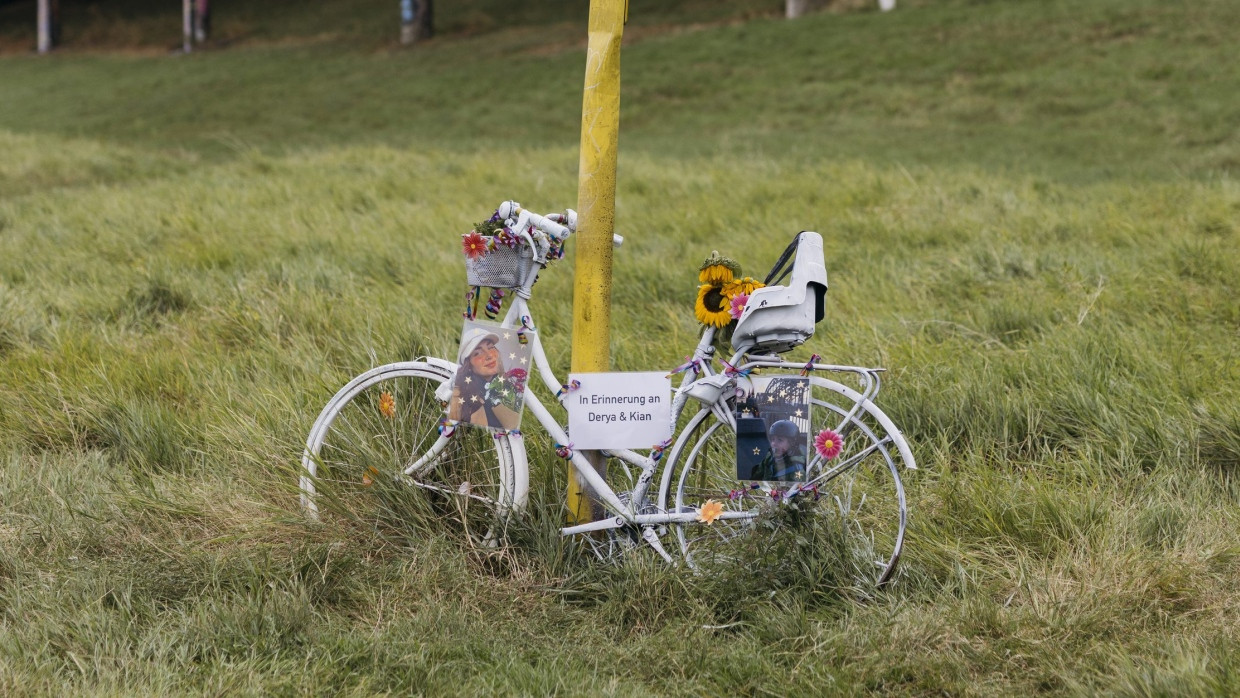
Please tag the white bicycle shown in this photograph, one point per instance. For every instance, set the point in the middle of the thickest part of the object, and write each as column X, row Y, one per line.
column 381, row 445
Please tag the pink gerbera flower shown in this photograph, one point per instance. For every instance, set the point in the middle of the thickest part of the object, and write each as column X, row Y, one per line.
column 738, row 305
column 474, row 245
column 828, row 444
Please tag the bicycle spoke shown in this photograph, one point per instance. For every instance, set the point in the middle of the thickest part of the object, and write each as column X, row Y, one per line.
column 846, row 465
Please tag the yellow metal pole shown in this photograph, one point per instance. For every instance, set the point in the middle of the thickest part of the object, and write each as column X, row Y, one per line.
column 596, row 210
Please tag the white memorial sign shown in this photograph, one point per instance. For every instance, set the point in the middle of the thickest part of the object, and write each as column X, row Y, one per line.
column 619, row 410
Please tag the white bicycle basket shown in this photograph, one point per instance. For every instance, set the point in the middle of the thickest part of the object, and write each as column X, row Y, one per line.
column 778, row 318
column 502, row 267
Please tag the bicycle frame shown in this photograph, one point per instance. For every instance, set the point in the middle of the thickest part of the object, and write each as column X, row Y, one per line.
column 632, row 506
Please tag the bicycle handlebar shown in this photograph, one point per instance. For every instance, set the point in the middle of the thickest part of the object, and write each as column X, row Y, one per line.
column 557, row 225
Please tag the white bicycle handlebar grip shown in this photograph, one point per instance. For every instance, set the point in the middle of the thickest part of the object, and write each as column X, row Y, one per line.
column 548, row 226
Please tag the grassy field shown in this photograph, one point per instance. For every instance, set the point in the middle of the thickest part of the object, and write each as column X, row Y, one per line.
column 1031, row 216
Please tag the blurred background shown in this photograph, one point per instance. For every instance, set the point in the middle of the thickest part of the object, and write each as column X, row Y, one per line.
column 1030, row 215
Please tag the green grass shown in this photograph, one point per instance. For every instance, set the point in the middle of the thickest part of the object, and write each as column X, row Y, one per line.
column 1030, row 214
column 1106, row 90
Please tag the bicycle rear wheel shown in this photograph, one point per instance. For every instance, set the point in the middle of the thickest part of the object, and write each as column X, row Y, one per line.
column 859, row 491
column 376, row 455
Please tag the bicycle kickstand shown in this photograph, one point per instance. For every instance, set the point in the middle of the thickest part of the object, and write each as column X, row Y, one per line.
column 653, row 539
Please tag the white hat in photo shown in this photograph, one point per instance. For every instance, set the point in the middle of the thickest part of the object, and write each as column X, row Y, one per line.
column 473, row 337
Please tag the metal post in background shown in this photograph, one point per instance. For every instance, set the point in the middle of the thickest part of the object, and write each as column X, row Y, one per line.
column 407, row 26
column 416, row 20
column 187, row 25
column 48, row 21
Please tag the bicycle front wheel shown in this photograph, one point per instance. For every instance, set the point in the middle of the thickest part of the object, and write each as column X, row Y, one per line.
column 377, row 454
column 859, row 490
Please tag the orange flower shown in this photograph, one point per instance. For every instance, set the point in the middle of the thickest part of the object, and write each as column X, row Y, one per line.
column 710, row 511
column 367, row 480
column 387, row 405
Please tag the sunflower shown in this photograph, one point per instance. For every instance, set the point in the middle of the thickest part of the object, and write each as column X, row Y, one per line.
column 718, row 270
column 741, row 287
column 713, row 308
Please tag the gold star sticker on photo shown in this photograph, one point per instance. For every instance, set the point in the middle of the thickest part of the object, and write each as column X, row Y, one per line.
column 507, row 335
column 756, row 451
column 460, row 401
column 473, row 398
column 468, row 379
column 524, row 360
column 511, row 356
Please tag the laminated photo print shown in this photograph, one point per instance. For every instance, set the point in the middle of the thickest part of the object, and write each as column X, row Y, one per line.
column 772, row 429
column 489, row 387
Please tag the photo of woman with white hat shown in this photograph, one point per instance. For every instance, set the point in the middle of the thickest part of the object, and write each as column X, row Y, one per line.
column 484, row 392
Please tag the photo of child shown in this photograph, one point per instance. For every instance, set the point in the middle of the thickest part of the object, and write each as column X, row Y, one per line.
column 489, row 387
column 772, row 429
